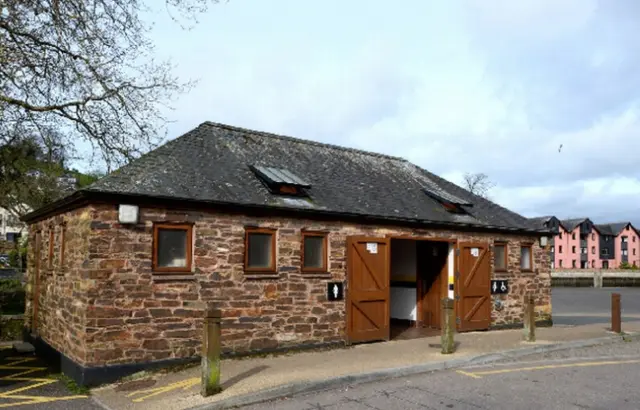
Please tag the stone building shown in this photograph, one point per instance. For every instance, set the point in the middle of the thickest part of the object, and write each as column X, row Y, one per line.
column 298, row 243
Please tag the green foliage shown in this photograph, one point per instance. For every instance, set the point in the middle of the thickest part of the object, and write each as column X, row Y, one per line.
column 18, row 255
column 84, row 180
column 12, row 297
column 11, row 329
column 627, row 265
column 71, row 385
column 33, row 173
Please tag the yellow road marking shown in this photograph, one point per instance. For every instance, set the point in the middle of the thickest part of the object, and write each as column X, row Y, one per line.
column 478, row 375
column 468, row 374
column 37, row 382
column 184, row 385
column 19, row 360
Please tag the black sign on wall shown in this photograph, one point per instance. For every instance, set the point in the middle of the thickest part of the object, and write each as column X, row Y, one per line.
column 335, row 291
column 499, row 287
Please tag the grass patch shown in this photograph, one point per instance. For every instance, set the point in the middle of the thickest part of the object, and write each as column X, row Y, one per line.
column 71, row 384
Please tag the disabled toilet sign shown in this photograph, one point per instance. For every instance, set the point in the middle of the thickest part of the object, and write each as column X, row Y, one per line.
column 499, row 287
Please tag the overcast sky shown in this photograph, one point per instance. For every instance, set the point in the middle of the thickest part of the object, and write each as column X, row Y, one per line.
column 454, row 86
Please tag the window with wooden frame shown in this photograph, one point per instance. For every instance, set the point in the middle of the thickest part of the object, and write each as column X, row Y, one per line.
column 172, row 247
column 500, row 256
column 526, row 258
column 51, row 243
column 63, row 231
column 314, row 252
column 260, row 250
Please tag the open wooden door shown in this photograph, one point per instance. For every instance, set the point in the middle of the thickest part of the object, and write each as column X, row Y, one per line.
column 473, row 287
column 432, row 271
column 368, row 289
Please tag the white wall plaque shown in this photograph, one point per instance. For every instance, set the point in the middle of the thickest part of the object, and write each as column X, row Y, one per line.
column 128, row 214
column 372, row 247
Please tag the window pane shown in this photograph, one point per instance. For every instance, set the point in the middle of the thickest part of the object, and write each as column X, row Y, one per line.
column 525, row 258
column 172, row 248
column 313, row 252
column 260, row 250
column 498, row 251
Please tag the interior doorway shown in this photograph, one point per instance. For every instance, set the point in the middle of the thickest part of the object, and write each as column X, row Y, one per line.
column 418, row 281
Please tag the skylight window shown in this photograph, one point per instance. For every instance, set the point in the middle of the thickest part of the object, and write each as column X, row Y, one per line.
column 451, row 203
column 281, row 181
column 446, row 197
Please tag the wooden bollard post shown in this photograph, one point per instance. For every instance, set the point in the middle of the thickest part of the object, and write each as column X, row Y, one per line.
column 529, row 319
column 616, row 316
column 448, row 326
column 210, row 383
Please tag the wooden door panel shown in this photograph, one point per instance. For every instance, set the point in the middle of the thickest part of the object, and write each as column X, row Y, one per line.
column 473, row 292
column 433, row 271
column 368, row 291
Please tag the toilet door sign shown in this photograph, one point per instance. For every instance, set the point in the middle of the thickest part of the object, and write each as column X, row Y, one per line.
column 335, row 291
column 499, row 287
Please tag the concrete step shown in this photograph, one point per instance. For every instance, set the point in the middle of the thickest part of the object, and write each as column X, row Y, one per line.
column 23, row 347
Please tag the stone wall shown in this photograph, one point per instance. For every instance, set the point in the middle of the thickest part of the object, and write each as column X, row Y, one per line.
column 134, row 315
column 62, row 300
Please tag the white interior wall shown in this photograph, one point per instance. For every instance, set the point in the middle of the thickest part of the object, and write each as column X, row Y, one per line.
column 403, row 267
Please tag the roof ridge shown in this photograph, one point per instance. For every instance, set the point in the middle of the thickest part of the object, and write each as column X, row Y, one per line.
column 300, row 140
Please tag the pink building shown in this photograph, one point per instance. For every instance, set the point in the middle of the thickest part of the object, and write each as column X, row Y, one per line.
column 580, row 244
column 627, row 242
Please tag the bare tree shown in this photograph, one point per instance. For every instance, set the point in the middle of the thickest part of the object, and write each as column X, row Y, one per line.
column 478, row 184
column 86, row 69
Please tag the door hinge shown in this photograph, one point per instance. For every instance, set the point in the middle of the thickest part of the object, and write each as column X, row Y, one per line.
column 457, row 276
column 457, row 320
column 457, row 251
column 457, row 297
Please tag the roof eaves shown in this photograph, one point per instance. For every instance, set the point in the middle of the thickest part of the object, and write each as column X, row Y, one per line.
column 85, row 195
column 56, row 206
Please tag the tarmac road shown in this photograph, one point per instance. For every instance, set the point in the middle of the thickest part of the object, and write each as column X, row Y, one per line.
column 604, row 377
column 25, row 384
column 583, row 306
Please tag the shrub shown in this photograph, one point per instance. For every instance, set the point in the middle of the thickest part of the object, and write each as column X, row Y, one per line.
column 12, row 297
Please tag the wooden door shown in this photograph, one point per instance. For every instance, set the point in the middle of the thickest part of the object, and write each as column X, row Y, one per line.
column 472, row 287
column 368, row 292
column 432, row 281
column 35, row 297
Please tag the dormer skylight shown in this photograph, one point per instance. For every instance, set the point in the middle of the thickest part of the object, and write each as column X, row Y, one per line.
column 451, row 203
column 281, row 181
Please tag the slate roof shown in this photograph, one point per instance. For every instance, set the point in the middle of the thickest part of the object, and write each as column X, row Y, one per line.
column 604, row 229
column 211, row 163
column 570, row 224
column 540, row 221
column 613, row 228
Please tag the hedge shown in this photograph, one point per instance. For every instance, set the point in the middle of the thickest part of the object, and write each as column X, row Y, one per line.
column 12, row 297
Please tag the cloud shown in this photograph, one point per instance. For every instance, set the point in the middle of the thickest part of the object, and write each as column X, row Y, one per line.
column 455, row 86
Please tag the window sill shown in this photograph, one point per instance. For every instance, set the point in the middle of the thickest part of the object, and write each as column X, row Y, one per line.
column 316, row 274
column 261, row 275
column 169, row 277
